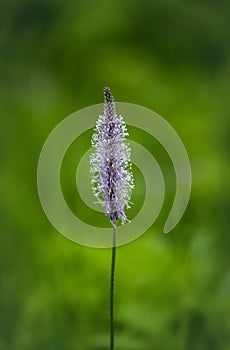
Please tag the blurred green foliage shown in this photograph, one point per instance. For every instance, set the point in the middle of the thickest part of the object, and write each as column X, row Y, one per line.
column 172, row 291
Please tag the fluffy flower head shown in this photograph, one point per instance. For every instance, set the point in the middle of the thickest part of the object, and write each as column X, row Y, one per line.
column 112, row 179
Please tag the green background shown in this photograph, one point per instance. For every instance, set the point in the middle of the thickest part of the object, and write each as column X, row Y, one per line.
column 172, row 291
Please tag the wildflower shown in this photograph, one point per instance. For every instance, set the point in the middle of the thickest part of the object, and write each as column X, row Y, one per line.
column 112, row 178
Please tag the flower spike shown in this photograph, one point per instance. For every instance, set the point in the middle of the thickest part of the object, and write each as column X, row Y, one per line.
column 112, row 178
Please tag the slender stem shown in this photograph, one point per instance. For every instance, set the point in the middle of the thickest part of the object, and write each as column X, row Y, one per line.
column 112, row 289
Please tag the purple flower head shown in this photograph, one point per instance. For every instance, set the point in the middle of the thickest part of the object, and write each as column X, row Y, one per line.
column 112, row 178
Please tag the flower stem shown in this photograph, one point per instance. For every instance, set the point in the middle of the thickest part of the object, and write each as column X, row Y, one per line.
column 112, row 289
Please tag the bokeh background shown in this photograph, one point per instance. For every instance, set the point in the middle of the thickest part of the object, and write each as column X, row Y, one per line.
column 172, row 56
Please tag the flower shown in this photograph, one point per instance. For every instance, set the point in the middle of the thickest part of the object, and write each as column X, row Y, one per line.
column 112, row 178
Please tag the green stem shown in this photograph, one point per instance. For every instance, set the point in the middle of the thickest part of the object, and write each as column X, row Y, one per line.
column 112, row 289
